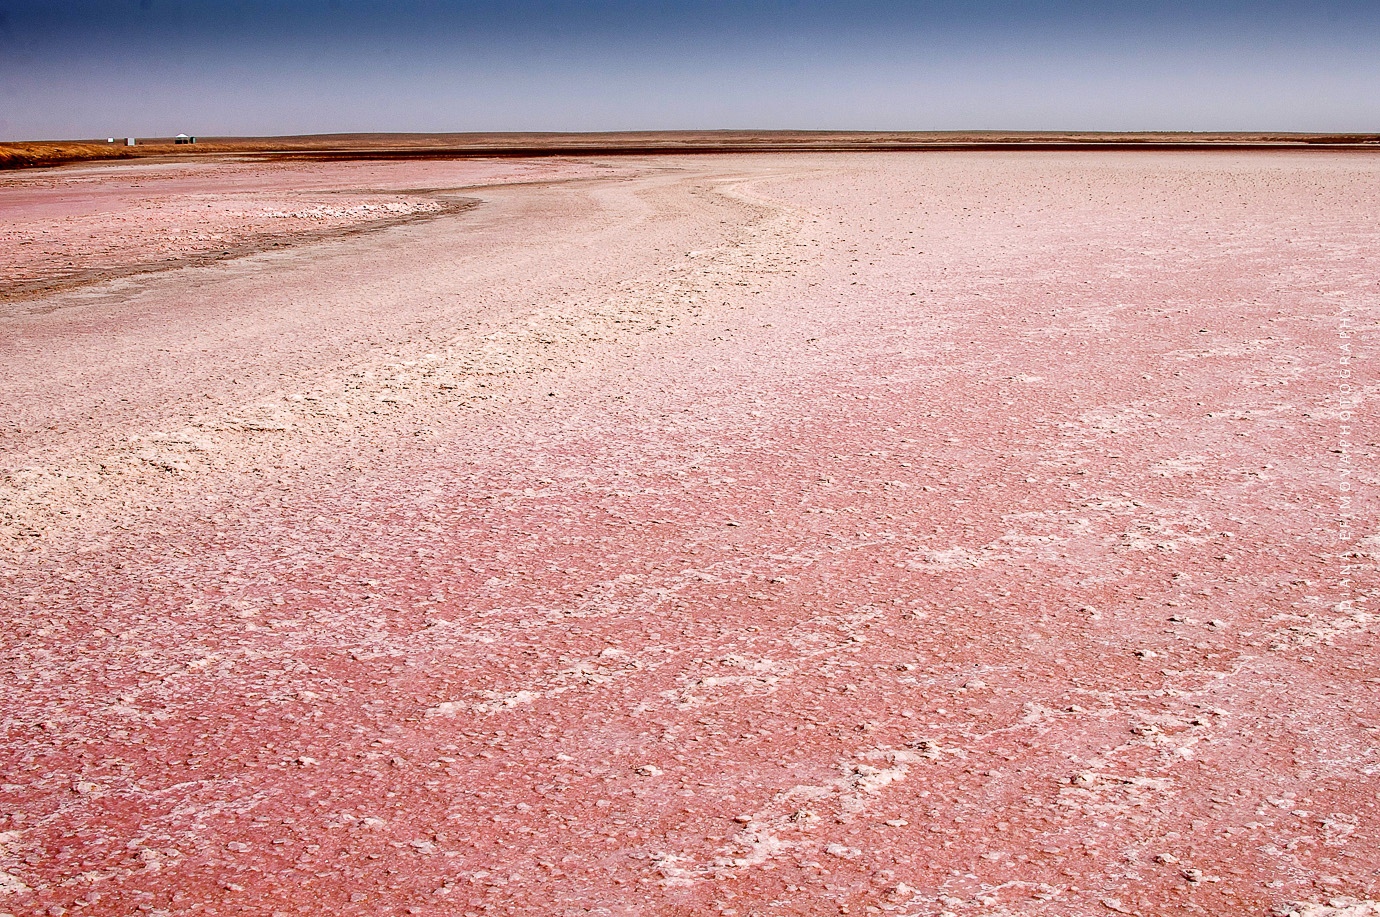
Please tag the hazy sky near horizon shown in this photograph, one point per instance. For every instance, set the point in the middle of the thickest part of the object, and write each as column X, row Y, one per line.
column 96, row 68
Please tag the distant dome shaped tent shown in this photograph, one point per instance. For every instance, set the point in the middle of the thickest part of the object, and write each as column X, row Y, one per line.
column 183, row 138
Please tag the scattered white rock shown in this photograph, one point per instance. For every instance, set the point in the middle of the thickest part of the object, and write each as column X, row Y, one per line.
column 10, row 884
column 448, row 708
column 1337, row 907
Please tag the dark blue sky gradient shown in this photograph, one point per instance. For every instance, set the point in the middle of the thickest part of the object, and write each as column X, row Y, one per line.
column 155, row 67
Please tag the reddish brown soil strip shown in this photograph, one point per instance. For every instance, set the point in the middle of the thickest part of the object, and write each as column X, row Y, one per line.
column 640, row 143
column 972, row 534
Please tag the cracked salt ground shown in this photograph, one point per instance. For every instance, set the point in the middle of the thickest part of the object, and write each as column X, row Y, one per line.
column 394, row 572
column 760, row 839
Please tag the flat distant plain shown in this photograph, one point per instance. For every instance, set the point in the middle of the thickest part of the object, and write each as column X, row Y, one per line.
column 973, row 532
column 21, row 154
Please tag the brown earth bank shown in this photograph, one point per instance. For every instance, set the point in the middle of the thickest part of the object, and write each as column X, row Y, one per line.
column 966, row 534
column 68, row 227
column 382, row 146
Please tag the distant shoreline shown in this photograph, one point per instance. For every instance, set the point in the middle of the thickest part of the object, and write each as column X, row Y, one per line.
column 39, row 154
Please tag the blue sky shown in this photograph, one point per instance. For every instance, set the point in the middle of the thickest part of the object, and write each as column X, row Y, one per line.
column 94, row 68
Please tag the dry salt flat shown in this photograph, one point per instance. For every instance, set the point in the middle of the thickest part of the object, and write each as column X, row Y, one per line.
column 918, row 534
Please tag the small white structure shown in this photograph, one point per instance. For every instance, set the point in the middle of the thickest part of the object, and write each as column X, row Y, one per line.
column 129, row 141
column 110, row 140
column 183, row 138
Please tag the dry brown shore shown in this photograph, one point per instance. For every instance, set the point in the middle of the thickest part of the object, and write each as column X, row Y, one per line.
column 29, row 154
